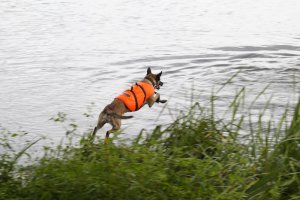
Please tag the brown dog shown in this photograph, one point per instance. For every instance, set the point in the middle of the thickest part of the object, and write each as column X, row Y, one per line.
column 131, row 100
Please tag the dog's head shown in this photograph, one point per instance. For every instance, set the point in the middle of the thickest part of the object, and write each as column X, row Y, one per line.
column 154, row 78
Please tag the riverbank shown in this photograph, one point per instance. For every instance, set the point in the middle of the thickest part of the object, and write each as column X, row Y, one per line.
column 198, row 156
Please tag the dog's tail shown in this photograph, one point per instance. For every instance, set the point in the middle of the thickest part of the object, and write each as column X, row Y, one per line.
column 120, row 116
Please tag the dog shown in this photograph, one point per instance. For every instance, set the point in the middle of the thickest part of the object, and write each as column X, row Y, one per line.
column 130, row 100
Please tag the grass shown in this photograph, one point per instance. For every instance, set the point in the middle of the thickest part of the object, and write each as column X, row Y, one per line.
column 198, row 156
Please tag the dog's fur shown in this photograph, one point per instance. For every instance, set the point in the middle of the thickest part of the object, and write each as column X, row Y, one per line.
column 113, row 113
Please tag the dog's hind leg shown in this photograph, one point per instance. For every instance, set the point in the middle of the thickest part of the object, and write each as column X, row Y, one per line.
column 116, row 125
column 106, row 137
column 106, row 140
column 101, row 121
column 99, row 126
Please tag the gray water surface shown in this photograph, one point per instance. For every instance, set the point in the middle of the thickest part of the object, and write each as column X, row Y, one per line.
column 61, row 55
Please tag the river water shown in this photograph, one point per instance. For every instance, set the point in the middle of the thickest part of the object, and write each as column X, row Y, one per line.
column 62, row 55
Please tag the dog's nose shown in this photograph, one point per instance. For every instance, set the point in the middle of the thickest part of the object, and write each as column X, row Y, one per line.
column 161, row 83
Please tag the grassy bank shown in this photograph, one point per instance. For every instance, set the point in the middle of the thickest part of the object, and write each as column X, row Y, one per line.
column 198, row 156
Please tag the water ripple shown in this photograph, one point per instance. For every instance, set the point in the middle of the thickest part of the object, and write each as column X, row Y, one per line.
column 260, row 48
column 165, row 58
column 61, row 55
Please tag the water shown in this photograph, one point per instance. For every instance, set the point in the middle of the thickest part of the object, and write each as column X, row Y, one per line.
column 61, row 55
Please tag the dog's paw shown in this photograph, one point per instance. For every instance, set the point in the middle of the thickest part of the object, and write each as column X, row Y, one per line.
column 157, row 100
column 163, row 101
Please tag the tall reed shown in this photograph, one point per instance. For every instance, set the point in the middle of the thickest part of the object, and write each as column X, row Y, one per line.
column 203, row 154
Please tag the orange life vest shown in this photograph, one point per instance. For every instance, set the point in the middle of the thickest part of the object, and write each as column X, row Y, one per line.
column 135, row 97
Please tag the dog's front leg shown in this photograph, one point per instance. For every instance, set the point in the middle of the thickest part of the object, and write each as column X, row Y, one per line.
column 153, row 99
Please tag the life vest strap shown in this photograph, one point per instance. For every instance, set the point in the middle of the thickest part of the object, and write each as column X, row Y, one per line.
column 142, row 88
column 135, row 99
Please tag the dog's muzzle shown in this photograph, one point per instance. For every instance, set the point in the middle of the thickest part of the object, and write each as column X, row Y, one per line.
column 160, row 84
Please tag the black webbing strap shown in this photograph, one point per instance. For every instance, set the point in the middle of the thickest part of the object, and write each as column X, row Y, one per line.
column 135, row 99
column 143, row 91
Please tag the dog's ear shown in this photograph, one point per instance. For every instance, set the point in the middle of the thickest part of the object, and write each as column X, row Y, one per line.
column 158, row 75
column 149, row 71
